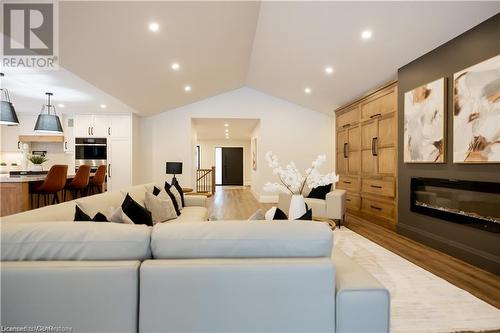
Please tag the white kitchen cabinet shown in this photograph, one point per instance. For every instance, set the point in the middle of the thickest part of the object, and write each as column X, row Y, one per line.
column 69, row 135
column 119, row 163
column 120, row 126
column 10, row 138
column 87, row 125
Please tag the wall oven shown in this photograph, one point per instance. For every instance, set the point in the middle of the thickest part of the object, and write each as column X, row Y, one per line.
column 91, row 151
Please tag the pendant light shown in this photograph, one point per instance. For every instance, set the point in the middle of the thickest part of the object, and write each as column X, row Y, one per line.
column 8, row 113
column 48, row 122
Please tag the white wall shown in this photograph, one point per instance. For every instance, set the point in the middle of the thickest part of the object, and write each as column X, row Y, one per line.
column 291, row 131
column 207, row 148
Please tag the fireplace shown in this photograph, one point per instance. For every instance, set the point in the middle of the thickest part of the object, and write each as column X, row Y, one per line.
column 475, row 204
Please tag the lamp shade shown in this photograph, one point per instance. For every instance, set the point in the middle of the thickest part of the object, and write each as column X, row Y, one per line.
column 8, row 114
column 174, row 168
column 48, row 123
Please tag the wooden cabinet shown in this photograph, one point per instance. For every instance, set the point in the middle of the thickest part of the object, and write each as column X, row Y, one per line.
column 367, row 155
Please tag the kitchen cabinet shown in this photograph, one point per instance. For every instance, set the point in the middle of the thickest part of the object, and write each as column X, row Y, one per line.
column 119, row 163
column 87, row 125
column 69, row 135
column 119, row 126
column 10, row 138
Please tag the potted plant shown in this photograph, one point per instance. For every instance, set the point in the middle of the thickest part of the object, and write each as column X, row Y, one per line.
column 293, row 181
column 37, row 161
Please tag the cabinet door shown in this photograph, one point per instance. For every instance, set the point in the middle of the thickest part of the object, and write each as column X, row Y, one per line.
column 353, row 163
column 368, row 162
column 69, row 136
column 120, row 126
column 99, row 128
column 10, row 138
column 387, row 132
column 119, row 163
column 341, row 164
column 386, row 161
column 379, row 105
column 353, row 138
column 82, row 125
column 341, row 141
column 368, row 133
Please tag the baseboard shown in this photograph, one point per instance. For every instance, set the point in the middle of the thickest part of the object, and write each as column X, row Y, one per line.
column 461, row 251
column 268, row 199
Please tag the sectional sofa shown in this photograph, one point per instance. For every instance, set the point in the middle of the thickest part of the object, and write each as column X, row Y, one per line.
column 219, row 276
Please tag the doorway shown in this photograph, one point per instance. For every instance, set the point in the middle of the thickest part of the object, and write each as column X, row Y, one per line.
column 229, row 166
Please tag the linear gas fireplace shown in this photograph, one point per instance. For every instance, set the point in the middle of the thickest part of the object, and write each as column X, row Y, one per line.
column 475, row 204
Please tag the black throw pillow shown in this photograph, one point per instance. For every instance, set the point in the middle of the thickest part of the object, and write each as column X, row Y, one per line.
column 279, row 215
column 320, row 192
column 137, row 213
column 307, row 216
column 156, row 191
column 172, row 197
column 80, row 216
column 176, row 184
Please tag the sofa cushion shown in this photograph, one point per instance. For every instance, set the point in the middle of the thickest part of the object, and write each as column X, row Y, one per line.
column 318, row 206
column 138, row 193
column 241, row 239
column 94, row 204
column 193, row 214
column 320, row 192
column 74, row 241
column 137, row 213
column 161, row 207
column 80, row 216
column 61, row 212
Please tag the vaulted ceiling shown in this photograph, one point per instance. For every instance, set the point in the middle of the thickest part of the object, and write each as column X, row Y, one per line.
column 279, row 48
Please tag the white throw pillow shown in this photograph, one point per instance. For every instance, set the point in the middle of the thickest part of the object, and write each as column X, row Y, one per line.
column 118, row 216
column 161, row 207
column 177, row 196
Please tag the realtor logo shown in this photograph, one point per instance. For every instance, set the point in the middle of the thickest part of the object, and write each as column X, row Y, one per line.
column 30, row 33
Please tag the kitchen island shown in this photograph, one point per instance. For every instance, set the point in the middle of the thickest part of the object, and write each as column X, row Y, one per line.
column 15, row 192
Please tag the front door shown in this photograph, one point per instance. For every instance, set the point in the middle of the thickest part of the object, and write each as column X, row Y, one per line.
column 232, row 166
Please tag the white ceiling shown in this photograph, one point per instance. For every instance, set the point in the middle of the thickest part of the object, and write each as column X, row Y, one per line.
column 278, row 48
column 214, row 129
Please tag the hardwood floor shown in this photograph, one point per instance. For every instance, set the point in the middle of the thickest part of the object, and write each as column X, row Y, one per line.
column 237, row 204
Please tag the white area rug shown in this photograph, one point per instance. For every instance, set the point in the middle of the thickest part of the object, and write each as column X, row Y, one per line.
column 420, row 301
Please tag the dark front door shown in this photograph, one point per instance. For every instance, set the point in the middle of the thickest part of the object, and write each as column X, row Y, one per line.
column 232, row 166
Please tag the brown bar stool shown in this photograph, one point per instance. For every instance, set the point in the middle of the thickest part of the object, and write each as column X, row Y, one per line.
column 98, row 180
column 79, row 183
column 53, row 183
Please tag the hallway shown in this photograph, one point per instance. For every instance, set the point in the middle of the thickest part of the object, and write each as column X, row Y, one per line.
column 234, row 203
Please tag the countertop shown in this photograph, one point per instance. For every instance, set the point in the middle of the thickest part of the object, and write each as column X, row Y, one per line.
column 5, row 178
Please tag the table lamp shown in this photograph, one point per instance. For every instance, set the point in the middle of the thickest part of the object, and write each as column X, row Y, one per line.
column 174, row 168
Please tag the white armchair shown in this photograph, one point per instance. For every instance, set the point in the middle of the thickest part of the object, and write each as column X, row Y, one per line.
column 333, row 207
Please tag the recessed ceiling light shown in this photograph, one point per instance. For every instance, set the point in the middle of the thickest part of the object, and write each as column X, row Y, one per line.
column 307, row 90
column 367, row 34
column 154, row 27
column 103, row 106
column 175, row 66
column 227, row 130
column 329, row 70
column 226, row 124
column 187, row 88
column 60, row 105
column 227, row 138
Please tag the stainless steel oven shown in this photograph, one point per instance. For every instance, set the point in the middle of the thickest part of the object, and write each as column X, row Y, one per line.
column 91, row 151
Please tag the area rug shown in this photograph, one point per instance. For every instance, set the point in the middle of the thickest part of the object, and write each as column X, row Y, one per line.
column 420, row 300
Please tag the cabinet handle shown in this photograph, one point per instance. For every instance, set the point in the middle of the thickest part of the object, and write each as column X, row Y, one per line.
column 18, row 144
column 375, row 207
column 346, row 125
column 109, row 130
column 374, row 146
column 375, row 115
column 348, row 200
column 92, row 130
column 346, row 145
column 66, row 145
column 88, row 130
column 346, row 182
column 375, row 186
column 109, row 170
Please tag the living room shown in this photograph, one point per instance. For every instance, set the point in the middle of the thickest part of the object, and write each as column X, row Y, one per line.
column 260, row 166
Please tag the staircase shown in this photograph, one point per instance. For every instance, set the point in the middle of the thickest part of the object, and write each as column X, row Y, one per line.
column 205, row 181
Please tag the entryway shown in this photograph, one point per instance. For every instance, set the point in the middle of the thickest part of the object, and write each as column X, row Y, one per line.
column 229, row 166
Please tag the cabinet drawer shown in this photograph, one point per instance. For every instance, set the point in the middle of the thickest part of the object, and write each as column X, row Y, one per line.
column 352, row 201
column 380, row 105
column 378, row 186
column 380, row 208
column 348, row 183
column 349, row 118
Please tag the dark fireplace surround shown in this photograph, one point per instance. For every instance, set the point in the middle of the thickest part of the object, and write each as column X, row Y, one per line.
column 475, row 204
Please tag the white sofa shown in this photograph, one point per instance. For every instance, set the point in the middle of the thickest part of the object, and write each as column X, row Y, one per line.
column 225, row 276
column 195, row 210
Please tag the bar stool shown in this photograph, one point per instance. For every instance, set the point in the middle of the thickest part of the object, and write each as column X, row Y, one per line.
column 98, row 180
column 79, row 183
column 53, row 183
